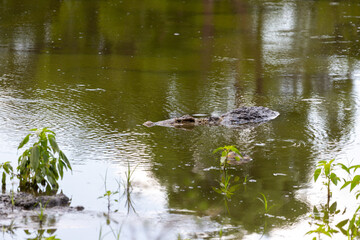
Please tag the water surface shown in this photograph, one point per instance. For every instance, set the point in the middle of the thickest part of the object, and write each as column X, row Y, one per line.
column 94, row 71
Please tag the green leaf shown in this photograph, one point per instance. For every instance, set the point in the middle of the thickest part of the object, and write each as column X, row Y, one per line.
column 8, row 168
column 355, row 167
column 218, row 149
column 344, row 167
column 327, row 169
column 322, row 163
column 334, row 179
column 234, row 149
column 333, row 207
column 317, row 174
column 54, row 172
column 342, row 223
column 354, row 182
column 357, row 195
column 63, row 157
column 24, row 141
column 217, row 190
column 345, row 184
column 49, row 131
column 60, row 167
column 51, row 181
column 53, row 143
column 38, row 179
column 45, row 157
column 352, row 221
column 234, row 188
column 35, row 157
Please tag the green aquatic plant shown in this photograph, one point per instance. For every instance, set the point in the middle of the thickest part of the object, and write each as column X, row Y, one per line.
column 108, row 194
column 228, row 184
column 126, row 184
column 7, row 169
column 225, row 151
column 350, row 227
column 128, row 187
column 128, row 178
column 326, row 169
column 43, row 163
column 265, row 203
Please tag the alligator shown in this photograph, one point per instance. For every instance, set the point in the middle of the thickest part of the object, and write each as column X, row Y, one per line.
column 235, row 118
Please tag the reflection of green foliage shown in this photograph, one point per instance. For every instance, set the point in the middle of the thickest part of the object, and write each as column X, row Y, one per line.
column 322, row 229
column 226, row 186
column 39, row 234
column 9, row 228
column 41, row 215
column 323, row 219
column 128, row 187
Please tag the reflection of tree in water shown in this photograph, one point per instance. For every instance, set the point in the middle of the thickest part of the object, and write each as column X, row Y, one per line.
column 41, row 234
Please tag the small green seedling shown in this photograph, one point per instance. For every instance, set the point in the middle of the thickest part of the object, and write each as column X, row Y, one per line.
column 108, row 194
column 325, row 168
column 225, row 151
column 7, row 170
column 265, row 202
column 128, row 187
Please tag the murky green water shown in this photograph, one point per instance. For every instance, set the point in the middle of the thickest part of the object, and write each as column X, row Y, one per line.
column 94, row 71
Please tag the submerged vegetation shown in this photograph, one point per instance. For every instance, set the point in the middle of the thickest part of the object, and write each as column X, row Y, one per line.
column 229, row 184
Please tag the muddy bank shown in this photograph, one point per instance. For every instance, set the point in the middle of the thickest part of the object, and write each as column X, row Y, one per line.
column 28, row 201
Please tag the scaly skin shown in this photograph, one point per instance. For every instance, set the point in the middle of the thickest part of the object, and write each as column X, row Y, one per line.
column 236, row 117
